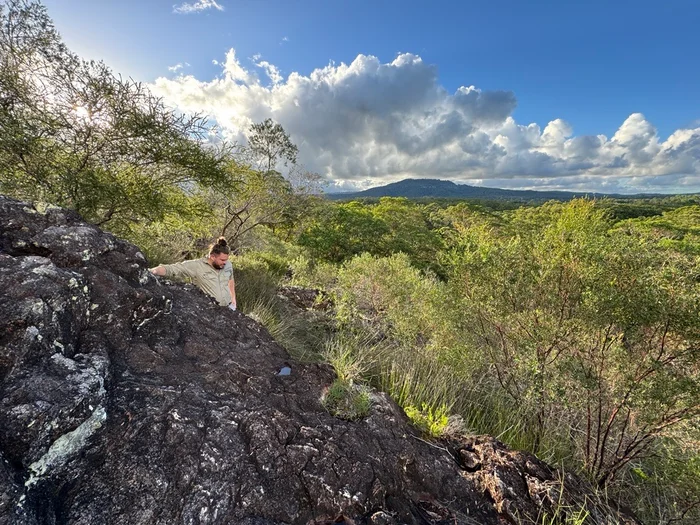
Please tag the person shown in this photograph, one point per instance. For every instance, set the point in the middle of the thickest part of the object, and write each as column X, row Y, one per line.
column 212, row 274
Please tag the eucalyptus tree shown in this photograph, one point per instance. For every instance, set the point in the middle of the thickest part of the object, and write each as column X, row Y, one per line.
column 271, row 144
column 75, row 134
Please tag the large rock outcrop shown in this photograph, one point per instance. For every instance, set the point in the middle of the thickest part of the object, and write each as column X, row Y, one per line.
column 125, row 399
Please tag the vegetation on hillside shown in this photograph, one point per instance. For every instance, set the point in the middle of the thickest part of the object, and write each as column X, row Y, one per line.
column 571, row 330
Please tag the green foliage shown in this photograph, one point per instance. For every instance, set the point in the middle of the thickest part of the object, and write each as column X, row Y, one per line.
column 416, row 378
column 674, row 230
column 310, row 272
column 561, row 309
column 258, row 276
column 571, row 330
column 302, row 338
column 338, row 231
column 558, row 331
column 255, row 283
column 392, row 297
column 174, row 238
column 282, row 327
column 250, row 199
column 350, row 356
column 565, row 515
column 347, row 400
column 408, row 231
column 622, row 209
column 74, row 134
column 665, row 486
column 430, row 420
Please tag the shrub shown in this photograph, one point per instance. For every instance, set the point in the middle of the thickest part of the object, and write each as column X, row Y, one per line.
column 390, row 296
column 592, row 334
column 313, row 273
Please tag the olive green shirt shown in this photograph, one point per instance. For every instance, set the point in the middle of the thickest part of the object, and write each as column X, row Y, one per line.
column 212, row 282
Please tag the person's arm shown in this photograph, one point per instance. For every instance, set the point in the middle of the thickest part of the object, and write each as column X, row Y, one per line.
column 177, row 270
column 232, row 289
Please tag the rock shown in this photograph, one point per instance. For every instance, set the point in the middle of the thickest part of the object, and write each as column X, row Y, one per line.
column 126, row 399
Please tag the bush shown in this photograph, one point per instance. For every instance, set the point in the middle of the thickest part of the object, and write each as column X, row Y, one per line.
column 552, row 320
column 313, row 273
column 579, row 326
column 390, row 296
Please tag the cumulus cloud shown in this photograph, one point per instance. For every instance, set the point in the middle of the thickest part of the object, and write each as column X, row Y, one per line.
column 177, row 67
column 200, row 5
column 368, row 123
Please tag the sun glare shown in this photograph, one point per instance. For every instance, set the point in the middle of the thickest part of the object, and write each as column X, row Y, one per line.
column 82, row 112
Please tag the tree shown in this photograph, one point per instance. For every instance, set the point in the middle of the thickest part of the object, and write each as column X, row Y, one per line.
column 270, row 144
column 74, row 134
column 255, row 194
column 339, row 231
column 408, row 231
column 260, row 199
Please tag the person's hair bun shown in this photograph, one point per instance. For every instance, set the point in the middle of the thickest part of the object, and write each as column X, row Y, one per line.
column 219, row 247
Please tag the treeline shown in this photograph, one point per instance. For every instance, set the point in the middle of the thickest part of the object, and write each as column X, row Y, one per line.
column 568, row 329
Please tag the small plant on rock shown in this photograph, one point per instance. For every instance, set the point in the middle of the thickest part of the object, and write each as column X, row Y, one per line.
column 431, row 420
column 346, row 400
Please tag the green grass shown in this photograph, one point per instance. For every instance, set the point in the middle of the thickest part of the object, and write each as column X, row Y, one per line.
column 346, row 400
column 352, row 356
column 431, row 421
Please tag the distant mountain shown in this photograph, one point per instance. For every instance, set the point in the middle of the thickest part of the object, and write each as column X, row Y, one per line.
column 417, row 188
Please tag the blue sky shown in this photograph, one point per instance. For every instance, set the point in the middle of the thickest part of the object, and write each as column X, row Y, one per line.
column 625, row 70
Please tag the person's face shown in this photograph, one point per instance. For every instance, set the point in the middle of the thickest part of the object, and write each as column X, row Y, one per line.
column 218, row 260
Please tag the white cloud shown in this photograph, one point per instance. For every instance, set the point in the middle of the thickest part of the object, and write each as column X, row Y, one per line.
column 198, row 6
column 271, row 71
column 370, row 123
column 177, row 67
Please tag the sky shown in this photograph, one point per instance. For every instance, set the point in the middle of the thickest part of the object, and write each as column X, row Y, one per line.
column 572, row 95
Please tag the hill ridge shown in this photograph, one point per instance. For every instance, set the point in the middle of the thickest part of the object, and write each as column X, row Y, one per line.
column 439, row 188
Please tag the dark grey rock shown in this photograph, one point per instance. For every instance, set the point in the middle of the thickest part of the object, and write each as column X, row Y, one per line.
column 125, row 400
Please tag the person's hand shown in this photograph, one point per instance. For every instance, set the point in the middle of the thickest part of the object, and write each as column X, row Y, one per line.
column 232, row 306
